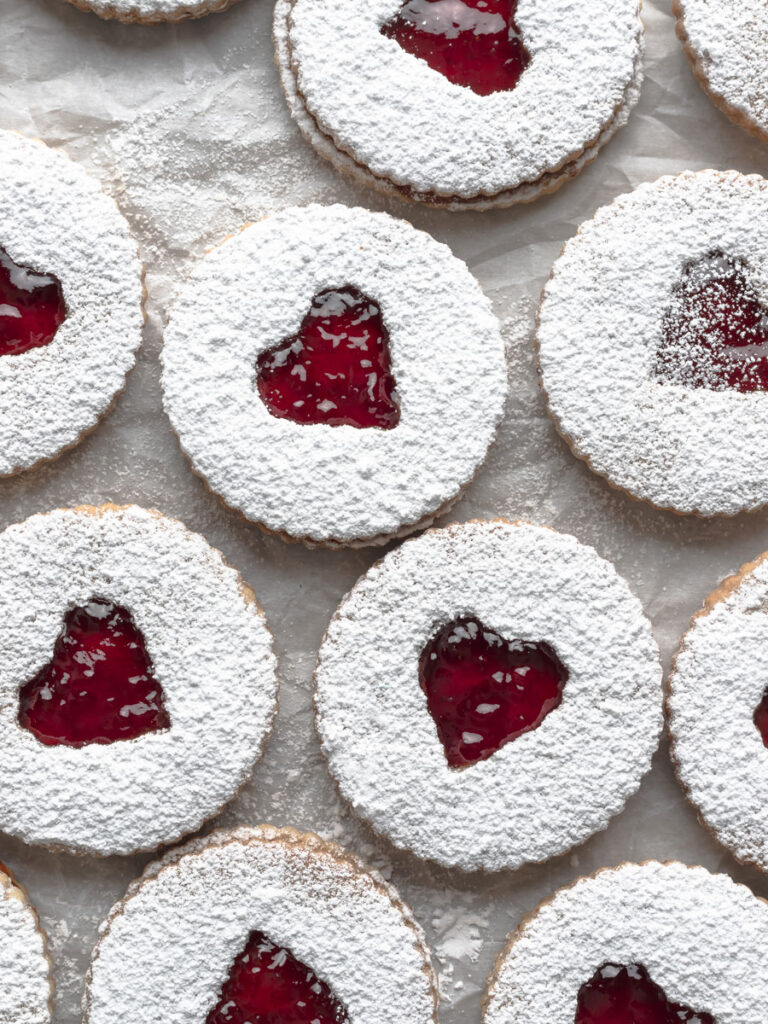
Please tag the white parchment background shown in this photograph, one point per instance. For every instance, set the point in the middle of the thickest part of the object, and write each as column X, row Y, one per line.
column 187, row 128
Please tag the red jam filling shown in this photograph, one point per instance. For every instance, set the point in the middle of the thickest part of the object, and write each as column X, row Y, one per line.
column 98, row 687
column 31, row 307
column 715, row 330
column 475, row 43
column 337, row 369
column 268, row 985
column 484, row 691
column 626, row 995
column 761, row 718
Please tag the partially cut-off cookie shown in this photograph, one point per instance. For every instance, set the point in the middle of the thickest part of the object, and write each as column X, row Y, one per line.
column 71, row 299
column 137, row 680
column 150, row 12
column 335, row 375
column 26, row 979
column 726, row 42
column 718, row 713
column 653, row 342
column 641, row 944
column 261, row 924
column 489, row 694
column 465, row 104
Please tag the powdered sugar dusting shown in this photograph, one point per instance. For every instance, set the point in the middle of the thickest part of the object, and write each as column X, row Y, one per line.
column 57, row 220
column 152, row 10
column 601, row 323
column 211, row 653
column 25, row 971
column 406, row 122
column 550, row 788
column 166, row 950
column 700, row 936
column 715, row 688
column 729, row 40
column 318, row 482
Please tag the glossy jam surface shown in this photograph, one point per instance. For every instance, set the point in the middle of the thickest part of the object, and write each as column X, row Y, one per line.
column 31, row 307
column 337, row 369
column 98, row 686
column 268, row 985
column 715, row 332
column 474, row 43
column 626, row 995
column 483, row 691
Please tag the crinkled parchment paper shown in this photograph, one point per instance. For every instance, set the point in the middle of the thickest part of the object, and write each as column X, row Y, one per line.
column 186, row 127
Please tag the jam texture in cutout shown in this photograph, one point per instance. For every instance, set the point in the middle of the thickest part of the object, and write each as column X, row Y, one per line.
column 761, row 718
column 337, row 370
column 268, row 985
column 98, row 687
column 618, row 994
column 484, row 691
column 31, row 307
column 474, row 43
column 715, row 332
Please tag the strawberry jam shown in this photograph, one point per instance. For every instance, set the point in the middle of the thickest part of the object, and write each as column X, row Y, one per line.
column 761, row 718
column 484, row 691
column 31, row 307
column 268, row 985
column 474, row 43
column 715, row 332
column 98, row 686
column 626, row 995
column 337, row 369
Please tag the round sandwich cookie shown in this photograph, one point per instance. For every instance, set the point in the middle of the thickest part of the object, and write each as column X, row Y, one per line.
column 718, row 713
column 26, row 979
column 137, row 680
column 653, row 342
column 641, row 944
column 726, row 42
column 71, row 297
column 150, row 12
column 489, row 694
column 335, row 375
column 261, row 924
column 465, row 104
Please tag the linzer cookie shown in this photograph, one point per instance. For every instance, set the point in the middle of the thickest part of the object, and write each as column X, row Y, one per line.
column 137, row 680
column 70, row 302
column 489, row 694
column 261, row 924
column 148, row 12
column 727, row 45
column 718, row 713
column 334, row 374
column 653, row 342
column 460, row 103
column 638, row 944
column 26, row 982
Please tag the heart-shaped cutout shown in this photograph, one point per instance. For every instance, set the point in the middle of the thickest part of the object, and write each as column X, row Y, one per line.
column 619, row 994
column 269, row 985
column 474, row 43
column 31, row 307
column 337, row 370
column 98, row 687
column 715, row 332
column 484, row 691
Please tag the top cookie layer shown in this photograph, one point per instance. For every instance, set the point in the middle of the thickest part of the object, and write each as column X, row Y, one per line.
column 601, row 327
column 317, row 482
column 539, row 794
column 700, row 937
column 56, row 220
column 408, row 123
column 727, row 41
